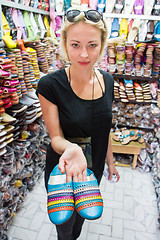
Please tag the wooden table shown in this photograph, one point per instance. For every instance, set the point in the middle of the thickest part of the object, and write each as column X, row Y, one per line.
column 133, row 147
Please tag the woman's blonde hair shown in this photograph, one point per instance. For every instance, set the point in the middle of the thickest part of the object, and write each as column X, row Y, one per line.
column 81, row 18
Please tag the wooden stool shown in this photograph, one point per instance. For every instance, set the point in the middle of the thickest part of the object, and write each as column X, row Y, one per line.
column 134, row 147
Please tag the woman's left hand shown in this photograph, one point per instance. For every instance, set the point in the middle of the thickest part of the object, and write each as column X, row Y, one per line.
column 113, row 170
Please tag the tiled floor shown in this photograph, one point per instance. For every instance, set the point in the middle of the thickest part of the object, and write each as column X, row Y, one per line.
column 130, row 212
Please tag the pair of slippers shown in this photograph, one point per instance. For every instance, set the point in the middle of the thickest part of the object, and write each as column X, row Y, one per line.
column 126, row 136
column 64, row 197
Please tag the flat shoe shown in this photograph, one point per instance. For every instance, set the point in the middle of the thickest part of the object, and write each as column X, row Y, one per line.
column 60, row 201
column 88, row 199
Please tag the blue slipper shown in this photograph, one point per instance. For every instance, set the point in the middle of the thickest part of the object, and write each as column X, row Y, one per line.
column 60, row 201
column 115, row 28
column 157, row 31
column 88, row 199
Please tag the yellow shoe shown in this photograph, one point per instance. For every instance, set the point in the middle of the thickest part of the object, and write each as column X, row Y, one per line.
column 6, row 28
column 46, row 23
column 9, row 42
column 123, row 29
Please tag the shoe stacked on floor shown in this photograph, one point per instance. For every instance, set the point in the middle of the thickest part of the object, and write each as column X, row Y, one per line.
column 134, row 91
column 111, row 58
column 149, row 61
column 20, row 167
column 156, row 62
column 129, row 63
column 120, row 58
column 42, row 60
column 141, row 60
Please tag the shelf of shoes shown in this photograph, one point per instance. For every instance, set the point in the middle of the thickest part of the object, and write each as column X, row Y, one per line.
column 121, row 15
column 131, row 16
column 23, row 7
column 24, row 138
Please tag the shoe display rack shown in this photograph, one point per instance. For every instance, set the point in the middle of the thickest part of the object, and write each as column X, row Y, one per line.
column 18, row 6
column 23, row 136
column 133, row 148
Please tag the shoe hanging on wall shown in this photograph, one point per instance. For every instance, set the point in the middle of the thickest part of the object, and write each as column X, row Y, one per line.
column 138, row 7
column 119, row 6
column 115, row 28
column 142, row 31
column 157, row 31
column 110, row 6
column 123, row 29
column 148, row 7
column 128, row 7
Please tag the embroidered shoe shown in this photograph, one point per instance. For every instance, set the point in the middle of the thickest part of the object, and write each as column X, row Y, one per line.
column 88, row 199
column 60, row 201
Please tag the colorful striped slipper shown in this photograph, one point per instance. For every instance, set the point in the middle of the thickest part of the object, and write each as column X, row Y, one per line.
column 60, row 201
column 88, row 199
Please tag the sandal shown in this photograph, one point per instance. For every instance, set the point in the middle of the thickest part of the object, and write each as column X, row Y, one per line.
column 117, row 135
column 133, row 134
column 140, row 138
column 125, row 137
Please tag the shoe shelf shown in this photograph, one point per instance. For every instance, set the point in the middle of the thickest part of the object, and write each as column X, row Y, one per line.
column 133, row 77
column 136, row 102
column 145, row 129
column 22, row 7
column 130, row 16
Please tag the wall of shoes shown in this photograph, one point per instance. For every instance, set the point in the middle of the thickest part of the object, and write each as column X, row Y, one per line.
column 29, row 36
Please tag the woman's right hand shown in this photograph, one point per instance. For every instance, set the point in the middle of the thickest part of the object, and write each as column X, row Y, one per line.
column 74, row 163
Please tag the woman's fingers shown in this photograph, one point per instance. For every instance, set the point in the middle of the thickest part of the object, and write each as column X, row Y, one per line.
column 68, row 178
column 75, row 178
column 84, row 175
column 61, row 165
column 118, row 176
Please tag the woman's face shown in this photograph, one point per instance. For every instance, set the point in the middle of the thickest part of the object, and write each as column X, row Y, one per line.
column 83, row 44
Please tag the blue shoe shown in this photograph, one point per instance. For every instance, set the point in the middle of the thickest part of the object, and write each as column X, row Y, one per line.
column 115, row 28
column 60, row 202
column 157, row 31
column 88, row 199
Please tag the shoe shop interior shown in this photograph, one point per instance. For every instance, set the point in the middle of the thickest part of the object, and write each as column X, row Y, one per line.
column 98, row 180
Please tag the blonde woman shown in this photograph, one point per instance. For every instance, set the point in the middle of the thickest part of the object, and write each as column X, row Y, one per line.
column 77, row 102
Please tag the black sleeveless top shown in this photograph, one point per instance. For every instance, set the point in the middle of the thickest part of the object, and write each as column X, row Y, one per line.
column 79, row 117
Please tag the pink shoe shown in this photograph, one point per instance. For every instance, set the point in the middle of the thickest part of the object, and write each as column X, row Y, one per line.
column 4, row 73
column 7, row 83
column 138, row 7
column 5, row 66
column 8, row 90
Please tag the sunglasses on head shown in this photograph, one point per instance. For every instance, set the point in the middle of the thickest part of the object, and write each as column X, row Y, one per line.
column 91, row 15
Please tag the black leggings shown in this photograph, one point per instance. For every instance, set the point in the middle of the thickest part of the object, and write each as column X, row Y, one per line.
column 71, row 229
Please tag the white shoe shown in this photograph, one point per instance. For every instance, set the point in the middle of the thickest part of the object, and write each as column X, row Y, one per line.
column 59, row 5
column 41, row 24
column 134, row 31
column 34, row 24
column 142, row 31
column 32, row 95
column 128, row 7
column 92, row 4
column 108, row 22
column 148, row 6
column 110, row 6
